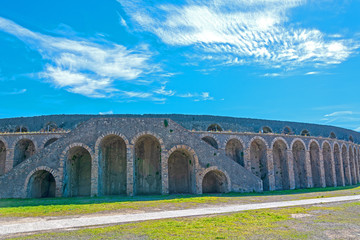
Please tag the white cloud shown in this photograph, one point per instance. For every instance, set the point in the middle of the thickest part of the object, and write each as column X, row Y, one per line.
column 164, row 92
column 339, row 113
column 357, row 129
column 85, row 67
column 240, row 30
column 106, row 113
column 271, row 75
column 311, row 73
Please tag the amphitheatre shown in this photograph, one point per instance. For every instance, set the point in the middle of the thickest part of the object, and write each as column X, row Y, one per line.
column 97, row 155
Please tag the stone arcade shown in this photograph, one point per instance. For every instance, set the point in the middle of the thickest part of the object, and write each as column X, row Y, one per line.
column 93, row 155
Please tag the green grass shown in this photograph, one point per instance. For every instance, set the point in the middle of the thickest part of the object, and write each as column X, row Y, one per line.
column 75, row 206
column 261, row 224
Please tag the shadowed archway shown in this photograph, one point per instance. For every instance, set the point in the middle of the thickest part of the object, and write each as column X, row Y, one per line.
column 181, row 172
column 78, row 168
column 41, row 185
column 24, row 149
column 214, row 181
column 148, row 165
column 112, row 165
column 235, row 150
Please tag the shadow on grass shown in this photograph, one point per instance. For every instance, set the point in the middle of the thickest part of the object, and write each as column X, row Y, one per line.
column 6, row 203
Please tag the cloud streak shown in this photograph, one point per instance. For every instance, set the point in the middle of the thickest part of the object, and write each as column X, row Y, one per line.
column 240, row 31
column 85, row 67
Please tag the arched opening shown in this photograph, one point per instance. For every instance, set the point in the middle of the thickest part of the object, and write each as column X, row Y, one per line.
column 299, row 158
column 112, row 165
column 79, row 172
column 214, row 128
column 287, row 131
column 305, row 133
column 352, row 165
column 332, row 135
column 50, row 127
column 211, row 141
column 214, row 182
column 259, row 161
column 50, row 141
column 346, row 166
column 281, row 173
column 2, row 158
column 315, row 164
column 266, row 129
column 180, row 165
column 328, row 167
column 41, row 185
column 24, row 149
column 338, row 169
column 234, row 149
column 148, row 165
column 21, row 129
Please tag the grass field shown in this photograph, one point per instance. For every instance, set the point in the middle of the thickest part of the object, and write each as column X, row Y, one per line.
column 15, row 208
column 331, row 221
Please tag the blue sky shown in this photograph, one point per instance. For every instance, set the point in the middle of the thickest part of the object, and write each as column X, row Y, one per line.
column 271, row 59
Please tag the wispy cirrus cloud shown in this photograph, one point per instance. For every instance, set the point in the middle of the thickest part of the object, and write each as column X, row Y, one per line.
column 87, row 68
column 350, row 118
column 240, row 31
column 14, row 92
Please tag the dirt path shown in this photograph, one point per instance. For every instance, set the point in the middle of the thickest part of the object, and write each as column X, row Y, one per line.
column 40, row 224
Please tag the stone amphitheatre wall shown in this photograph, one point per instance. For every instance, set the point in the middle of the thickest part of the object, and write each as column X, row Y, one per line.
column 80, row 156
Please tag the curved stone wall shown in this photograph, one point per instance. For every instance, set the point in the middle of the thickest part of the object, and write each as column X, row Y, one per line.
column 156, row 153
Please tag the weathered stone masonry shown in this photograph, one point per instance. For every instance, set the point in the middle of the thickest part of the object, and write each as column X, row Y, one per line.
column 137, row 155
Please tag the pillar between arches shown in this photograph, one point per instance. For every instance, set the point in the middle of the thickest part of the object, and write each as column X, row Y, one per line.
column 130, row 181
column 341, row 170
column 270, row 169
column 290, row 164
column 309, row 181
column 333, row 171
column 322, row 169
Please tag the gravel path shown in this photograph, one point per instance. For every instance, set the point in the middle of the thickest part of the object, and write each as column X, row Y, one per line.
column 56, row 224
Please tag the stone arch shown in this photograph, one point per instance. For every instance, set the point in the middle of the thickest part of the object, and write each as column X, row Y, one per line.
column 211, row 141
column 214, row 180
column 112, row 162
column 3, row 153
column 338, row 165
column 235, row 150
column 299, row 158
column 328, row 164
column 147, row 165
column 259, row 164
column 287, row 130
column 280, row 160
column 346, row 166
column 49, row 141
column 78, row 166
column 305, row 133
column 42, row 182
column 23, row 149
column 214, row 128
column 314, row 150
column 332, row 135
column 181, row 171
column 352, row 165
column 266, row 129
